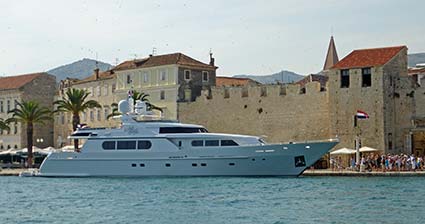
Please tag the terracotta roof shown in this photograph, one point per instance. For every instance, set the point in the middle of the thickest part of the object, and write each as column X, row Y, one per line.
column 15, row 82
column 313, row 78
column 368, row 57
column 230, row 81
column 158, row 60
column 102, row 75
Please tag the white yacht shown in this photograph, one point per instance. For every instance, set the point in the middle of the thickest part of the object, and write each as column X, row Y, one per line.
column 170, row 148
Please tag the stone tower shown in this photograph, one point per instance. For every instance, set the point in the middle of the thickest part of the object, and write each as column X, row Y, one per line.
column 375, row 81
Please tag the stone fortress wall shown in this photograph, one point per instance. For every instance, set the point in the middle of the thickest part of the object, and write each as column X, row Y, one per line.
column 282, row 112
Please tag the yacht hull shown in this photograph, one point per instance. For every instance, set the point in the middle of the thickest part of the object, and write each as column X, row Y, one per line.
column 260, row 160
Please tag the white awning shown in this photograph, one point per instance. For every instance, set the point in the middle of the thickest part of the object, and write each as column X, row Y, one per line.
column 343, row 151
column 368, row 149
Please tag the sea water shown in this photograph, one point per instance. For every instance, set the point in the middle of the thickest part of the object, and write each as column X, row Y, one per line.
column 213, row 200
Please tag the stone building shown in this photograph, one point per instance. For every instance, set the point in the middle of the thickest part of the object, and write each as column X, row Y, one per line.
column 320, row 78
column 168, row 79
column 39, row 87
column 101, row 86
column 280, row 113
column 418, row 131
column 418, row 74
column 374, row 81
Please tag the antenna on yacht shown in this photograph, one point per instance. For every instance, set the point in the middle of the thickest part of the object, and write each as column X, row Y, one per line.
column 130, row 101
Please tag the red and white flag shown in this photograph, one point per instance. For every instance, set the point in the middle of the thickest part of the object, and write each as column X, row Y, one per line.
column 362, row 115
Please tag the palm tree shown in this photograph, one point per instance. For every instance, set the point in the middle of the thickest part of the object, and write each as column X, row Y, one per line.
column 144, row 98
column 114, row 112
column 30, row 113
column 4, row 125
column 136, row 96
column 75, row 102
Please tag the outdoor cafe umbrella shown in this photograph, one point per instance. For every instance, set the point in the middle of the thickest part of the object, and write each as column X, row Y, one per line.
column 25, row 150
column 344, row 151
column 367, row 149
column 69, row 148
column 8, row 152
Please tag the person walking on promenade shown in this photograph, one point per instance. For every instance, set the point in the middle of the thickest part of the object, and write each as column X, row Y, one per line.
column 339, row 163
column 398, row 163
column 353, row 163
column 413, row 162
column 383, row 163
column 378, row 162
column 362, row 164
column 387, row 162
column 332, row 162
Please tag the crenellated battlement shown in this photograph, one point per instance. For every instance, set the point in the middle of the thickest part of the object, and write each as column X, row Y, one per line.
column 270, row 110
column 311, row 88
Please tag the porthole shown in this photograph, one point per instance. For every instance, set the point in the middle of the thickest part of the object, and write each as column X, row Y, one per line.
column 231, row 164
column 142, row 165
column 133, row 165
column 167, row 165
column 203, row 164
column 194, row 164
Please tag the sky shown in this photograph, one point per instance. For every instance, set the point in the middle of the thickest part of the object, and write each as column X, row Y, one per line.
column 246, row 37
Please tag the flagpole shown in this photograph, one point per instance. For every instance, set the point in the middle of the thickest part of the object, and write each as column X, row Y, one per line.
column 357, row 145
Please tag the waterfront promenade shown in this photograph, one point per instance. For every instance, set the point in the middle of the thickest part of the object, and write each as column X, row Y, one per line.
column 10, row 172
column 324, row 172
column 329, row 172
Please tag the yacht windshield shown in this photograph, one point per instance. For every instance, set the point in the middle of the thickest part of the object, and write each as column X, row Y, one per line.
column 168, row 130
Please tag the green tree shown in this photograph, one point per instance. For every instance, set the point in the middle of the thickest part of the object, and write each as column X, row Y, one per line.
column 4, row 125
column 136, row 96
column 114, row 111
column 75, row 102
column 144, row 98
column 30, row 113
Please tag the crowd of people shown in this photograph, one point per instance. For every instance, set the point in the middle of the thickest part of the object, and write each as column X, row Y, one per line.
column 376, row 162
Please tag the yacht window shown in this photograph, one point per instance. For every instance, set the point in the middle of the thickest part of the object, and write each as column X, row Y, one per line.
column 144, row 144
column 108, row 145
column 126, row 145
column 165, row 130
column 197, row 143
column 81, row 134
column 211, row 143
column 262, row 141
column 228, row 143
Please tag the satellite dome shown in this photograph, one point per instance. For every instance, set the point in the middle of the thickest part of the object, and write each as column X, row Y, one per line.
column 123, row 107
